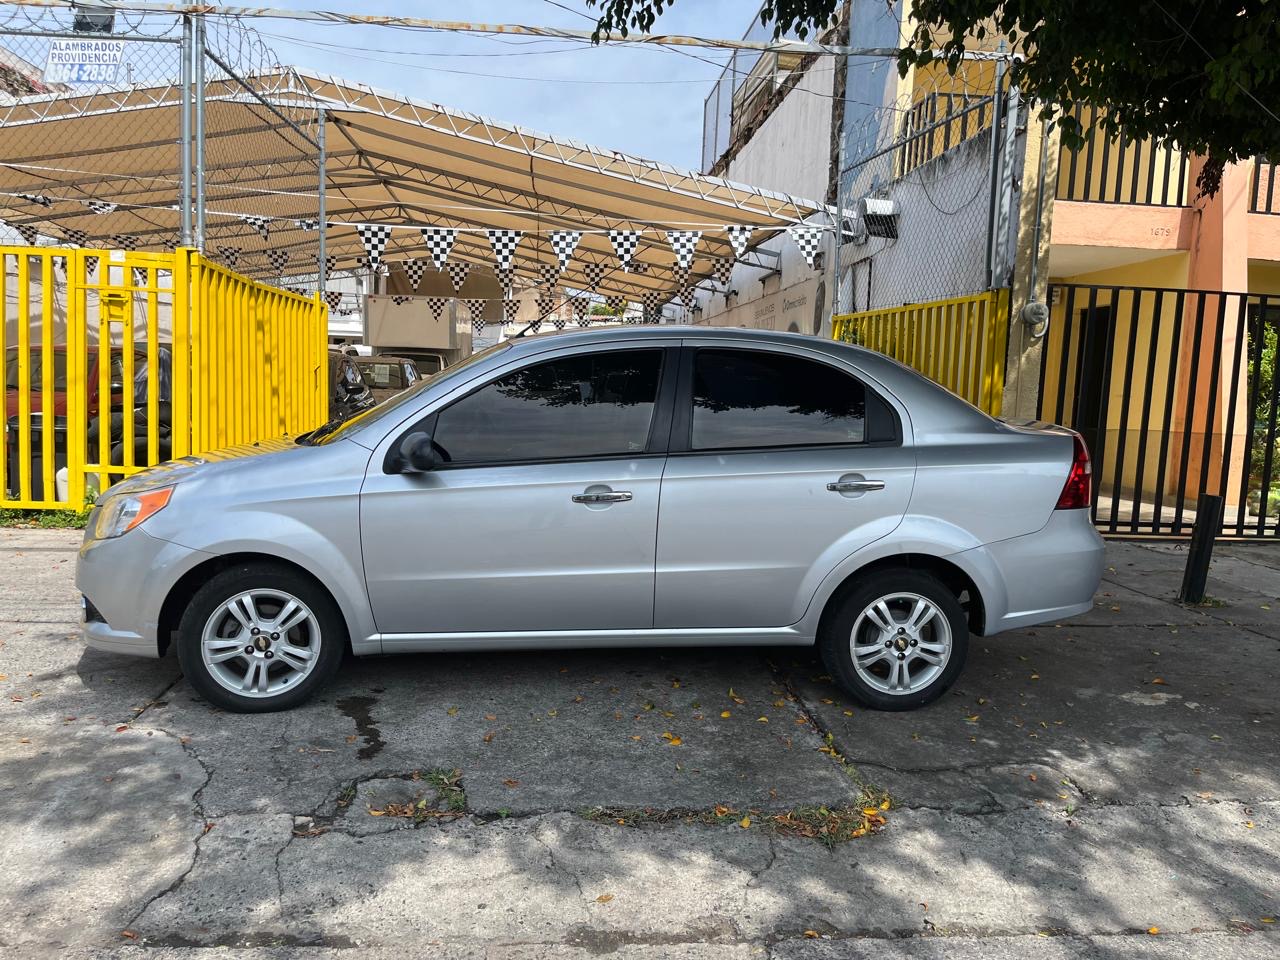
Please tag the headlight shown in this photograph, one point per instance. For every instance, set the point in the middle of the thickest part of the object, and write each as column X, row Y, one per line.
column 123, row 512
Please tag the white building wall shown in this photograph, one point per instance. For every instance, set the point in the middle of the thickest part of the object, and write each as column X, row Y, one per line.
column 789, row 153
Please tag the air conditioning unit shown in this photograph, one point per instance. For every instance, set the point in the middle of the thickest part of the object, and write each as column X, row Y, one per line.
column 879, row 217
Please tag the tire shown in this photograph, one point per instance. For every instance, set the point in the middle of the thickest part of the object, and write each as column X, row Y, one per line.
column 283, row 674
column 877, row 680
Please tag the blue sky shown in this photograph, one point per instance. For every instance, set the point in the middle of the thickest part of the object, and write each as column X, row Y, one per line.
column 547, row 85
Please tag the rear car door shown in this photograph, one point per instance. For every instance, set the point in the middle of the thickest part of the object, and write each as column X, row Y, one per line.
column 544, row 513
column 781, row 464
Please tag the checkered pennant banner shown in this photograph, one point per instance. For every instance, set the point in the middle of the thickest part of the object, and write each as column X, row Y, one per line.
column 374, row 236
column 230, row 256
column 535, row 326
column 457, row 274
column 439, row 241
column 279, row 259
column 99, row 206
column 126, row 241
column 680, row 275
column 564, row 242
column 400, row 299
column 689, row 295
column 581, row 306
column 414, row 269
column 625, row 243
column 504, row 278
column 739, row 237
column 330, row 263
column 139, row 276
column 510, row 309
column 308, row 225
column 546, row 304
column 77, row 238
column 808, row 238
column 436, row 306
column 595, row 273
column 653, row 301
column 476, row 309
column 36, row 198
column 549, row 272
column 616, row 302
column 504, row 243
column 261, row 224
column 558, row 322
column 90, row 265
column 333, row 298
column 27, row 232
column 683, row 244
column 723, row 270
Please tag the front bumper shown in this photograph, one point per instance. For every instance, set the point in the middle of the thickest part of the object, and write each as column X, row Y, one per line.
column 125, row 581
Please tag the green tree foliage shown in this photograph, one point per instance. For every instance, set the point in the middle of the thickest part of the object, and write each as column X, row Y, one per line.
column 1201, row 75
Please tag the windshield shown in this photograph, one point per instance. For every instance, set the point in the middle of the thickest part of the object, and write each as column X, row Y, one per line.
column 374, row 414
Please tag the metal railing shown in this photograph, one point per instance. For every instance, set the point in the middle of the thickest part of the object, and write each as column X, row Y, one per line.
column 116, row 361
column 1175, row 392
column 1123, row 170
column 958, row 343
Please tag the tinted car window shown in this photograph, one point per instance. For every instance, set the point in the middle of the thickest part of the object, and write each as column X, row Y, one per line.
column 590, row 405
column 747, row 398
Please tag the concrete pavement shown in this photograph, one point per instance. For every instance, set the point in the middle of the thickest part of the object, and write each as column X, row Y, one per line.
column 1082, row 784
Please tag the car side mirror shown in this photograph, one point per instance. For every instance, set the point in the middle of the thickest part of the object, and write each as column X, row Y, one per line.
column 353, row 388
column 418, row 454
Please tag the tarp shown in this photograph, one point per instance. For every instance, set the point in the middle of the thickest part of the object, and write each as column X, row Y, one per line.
column 390, row 160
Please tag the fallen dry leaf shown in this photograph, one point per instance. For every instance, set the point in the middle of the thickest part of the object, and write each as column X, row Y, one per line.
column 604, row 898
column 488, row 737
column 490, row 716
column 725, row 714
column 1153, row 930
column 129, row 934
column 511, row 783
column 812, row 934
column 671, row 738
column 744, row 823
column 734, row 697
column 1159, row 682
column 452, row 711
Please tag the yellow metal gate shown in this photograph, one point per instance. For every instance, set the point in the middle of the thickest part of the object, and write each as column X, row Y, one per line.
column 116, row 361
column 959, row 343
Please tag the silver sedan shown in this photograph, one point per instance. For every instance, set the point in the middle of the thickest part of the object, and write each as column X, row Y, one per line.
column 657, row 486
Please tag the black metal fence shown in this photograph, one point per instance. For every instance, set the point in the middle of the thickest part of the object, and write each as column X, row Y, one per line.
column 1123, row 170
column 1175, row 392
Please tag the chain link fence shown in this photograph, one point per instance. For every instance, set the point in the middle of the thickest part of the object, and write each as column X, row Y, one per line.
column 220, row 149
column 921, row 193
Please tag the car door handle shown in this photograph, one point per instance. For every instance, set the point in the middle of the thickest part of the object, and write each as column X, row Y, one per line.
column 613, row 496
column 855, row 486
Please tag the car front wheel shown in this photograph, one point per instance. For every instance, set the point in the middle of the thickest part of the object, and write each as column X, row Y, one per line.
column 897, row 641
column 257, row 638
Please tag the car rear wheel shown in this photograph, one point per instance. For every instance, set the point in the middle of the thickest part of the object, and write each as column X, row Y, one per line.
column 897, row 640
column 257, row 638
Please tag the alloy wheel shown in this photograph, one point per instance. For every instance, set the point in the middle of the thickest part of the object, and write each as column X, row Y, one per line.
column 260, row 643
column 900, row 643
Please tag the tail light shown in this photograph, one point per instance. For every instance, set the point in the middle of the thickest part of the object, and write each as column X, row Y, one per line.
column 1077, row 492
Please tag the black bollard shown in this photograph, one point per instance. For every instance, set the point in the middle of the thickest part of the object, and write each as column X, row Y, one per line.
column 1208, row 526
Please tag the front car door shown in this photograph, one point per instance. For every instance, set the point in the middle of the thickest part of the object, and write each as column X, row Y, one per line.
column 543, row 515
column 782, row 464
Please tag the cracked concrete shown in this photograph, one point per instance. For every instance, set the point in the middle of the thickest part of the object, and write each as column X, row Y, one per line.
column 1082, row 783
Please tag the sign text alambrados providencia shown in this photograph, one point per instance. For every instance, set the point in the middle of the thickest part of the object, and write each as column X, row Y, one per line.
column 83, row 61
